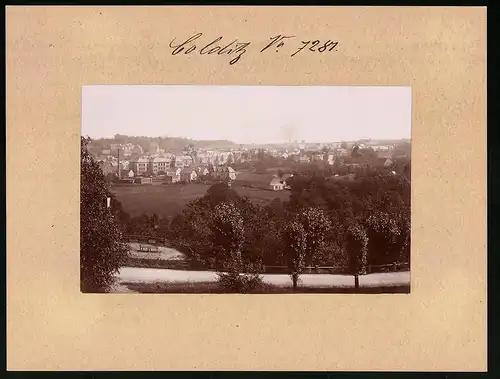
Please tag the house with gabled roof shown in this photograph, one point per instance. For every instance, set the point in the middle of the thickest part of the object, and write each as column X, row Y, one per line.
column 276, row 184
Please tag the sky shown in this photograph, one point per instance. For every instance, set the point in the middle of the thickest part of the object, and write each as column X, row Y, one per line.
column 247, row 114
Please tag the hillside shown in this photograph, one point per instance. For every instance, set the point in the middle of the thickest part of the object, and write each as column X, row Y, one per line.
column 174, row 144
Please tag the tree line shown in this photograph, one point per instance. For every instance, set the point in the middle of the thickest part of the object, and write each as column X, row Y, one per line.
column 353, row 224
column 168, row 143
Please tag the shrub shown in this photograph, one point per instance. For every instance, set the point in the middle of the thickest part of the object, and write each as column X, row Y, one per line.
column 233, row 282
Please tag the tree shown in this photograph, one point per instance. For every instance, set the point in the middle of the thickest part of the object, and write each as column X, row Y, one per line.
column 343, row 145
column 355, row 153
column 190, row 233
column 229, row 236
column 111, row 177
column 295, row 242
column 356, row 245
column 276, row 208
column 229, row 233
column 102, row 251
column 316, row 226
column 220, row 192
column 384, row 234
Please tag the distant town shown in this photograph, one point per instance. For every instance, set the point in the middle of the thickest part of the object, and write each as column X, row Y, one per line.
column 143, row 160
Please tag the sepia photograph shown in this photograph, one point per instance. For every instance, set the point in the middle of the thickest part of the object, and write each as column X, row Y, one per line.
column 245, row 189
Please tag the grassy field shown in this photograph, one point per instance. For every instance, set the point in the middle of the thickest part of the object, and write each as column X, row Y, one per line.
column 168, row 200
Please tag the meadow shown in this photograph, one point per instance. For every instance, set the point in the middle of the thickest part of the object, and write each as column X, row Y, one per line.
column 169, row 199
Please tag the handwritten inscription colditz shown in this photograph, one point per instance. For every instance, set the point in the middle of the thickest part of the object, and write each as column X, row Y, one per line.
column 236, row 49
column 233, row 48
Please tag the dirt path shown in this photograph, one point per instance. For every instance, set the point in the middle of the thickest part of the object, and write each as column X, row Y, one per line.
column 150, row 275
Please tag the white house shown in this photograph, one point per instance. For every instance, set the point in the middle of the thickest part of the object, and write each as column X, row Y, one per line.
column 142, row 165
column 276, row 184
column 188, row 175
column 173, row 175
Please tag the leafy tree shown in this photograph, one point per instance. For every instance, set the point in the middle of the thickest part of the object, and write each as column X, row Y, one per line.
column 220, row 192
column 295, row 241
column 343, row 145
column 228, row 231
column 369, row 155
column 401, row 245
column 316, row 226
column 229, row 236
column 102, row 251
column 383, row 233
column 111, row 177
column 276, row 208
column 190, row 233
column 356, row 244
column 355, row 153
column 407, row 170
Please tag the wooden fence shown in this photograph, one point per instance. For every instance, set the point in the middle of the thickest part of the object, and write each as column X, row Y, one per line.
column 393, row 267
column 145, row 239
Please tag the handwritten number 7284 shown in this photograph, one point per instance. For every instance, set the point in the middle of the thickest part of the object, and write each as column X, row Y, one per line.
column 330, row 45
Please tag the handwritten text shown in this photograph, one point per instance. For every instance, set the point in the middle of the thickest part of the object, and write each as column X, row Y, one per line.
column 235, row 49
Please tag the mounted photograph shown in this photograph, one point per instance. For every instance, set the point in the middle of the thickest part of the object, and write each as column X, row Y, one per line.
column 245, row 189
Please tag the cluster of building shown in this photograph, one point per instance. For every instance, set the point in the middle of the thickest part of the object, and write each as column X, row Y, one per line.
column 129, row 161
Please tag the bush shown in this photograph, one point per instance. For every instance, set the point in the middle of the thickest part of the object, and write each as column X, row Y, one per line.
column 240, row 278
column 240, row 283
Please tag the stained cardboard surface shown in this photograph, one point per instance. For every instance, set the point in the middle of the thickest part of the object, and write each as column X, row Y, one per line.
column 439, row 52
